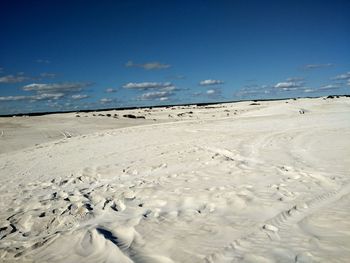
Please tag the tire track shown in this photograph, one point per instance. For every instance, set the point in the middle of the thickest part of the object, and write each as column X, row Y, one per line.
column 268, row 231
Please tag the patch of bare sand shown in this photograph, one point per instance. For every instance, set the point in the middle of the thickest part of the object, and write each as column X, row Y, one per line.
column 265, row 183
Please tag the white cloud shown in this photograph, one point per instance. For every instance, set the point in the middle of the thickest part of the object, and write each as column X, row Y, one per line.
column 56, row 87
column 210, row 82
column 330, row 87
column 210, row 91
column 214, row 93
column 49, row 92
column 290, row 89
column 105, row 100
column 148, row 66
column 288, row 85
column 295, row 79
column 163, row 98
column 169, row 88
column 48, row 96
column 160, row 95
column 323, row 88
column 291, row 84
column 13, row 79
column 148, row 85
column 13, row 98
column 345, row 76
column 42, row 96
column 79, row 96
column 111, row 90
column 316, row 66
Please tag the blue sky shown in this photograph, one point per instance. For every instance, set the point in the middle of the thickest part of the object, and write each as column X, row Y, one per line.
column 68, row 55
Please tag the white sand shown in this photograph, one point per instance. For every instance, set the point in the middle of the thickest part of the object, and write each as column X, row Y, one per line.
column 228, row 183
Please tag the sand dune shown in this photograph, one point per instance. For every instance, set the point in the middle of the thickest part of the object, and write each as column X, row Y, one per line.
column 228, row 183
